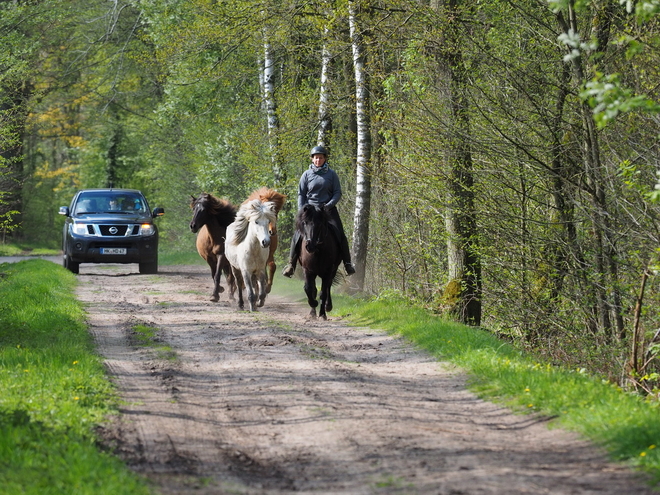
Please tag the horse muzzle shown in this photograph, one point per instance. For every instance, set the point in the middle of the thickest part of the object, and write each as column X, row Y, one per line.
column 310, row 246
column 265, row 243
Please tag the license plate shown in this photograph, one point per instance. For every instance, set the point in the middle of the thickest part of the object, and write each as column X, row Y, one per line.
column 113, row 250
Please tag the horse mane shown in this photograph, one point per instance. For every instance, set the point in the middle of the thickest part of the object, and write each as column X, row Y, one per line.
column 267, row 195
column 250, row 211
column 223, row 210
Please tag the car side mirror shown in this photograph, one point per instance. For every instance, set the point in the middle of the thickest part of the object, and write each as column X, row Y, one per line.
column 64, row 210
column 158, row 212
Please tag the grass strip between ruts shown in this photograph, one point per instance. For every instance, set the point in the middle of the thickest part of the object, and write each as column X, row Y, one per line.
column 54, row 390
column 625, row 424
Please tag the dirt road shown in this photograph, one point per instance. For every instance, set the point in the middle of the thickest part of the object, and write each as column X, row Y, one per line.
column 269, row 403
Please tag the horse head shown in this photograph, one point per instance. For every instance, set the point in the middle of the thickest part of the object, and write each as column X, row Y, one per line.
column 207, row 207
column 200, row 212
column 312, row 223
column 256, row 219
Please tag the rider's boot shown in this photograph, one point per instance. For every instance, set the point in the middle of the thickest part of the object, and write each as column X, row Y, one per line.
column 350, row 269
column 290, row 269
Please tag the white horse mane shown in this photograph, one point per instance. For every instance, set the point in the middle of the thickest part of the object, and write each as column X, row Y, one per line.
column 249, row 212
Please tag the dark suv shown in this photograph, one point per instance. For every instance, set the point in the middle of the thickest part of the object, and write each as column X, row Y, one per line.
column 110, row 226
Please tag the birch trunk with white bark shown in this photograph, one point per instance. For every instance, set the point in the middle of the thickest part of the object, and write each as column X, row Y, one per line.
column 325, row 119
column 268, row 86
column 363, row 172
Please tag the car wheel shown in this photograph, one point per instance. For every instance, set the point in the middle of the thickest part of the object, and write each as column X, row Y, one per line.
column 72, row 266
column 149, row 268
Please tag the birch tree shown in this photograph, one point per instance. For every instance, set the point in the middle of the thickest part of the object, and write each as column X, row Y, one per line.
column 325, row 119
column 270, row 104
column 363, row 163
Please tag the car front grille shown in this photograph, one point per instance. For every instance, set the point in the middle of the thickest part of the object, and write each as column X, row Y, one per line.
column 113, row 230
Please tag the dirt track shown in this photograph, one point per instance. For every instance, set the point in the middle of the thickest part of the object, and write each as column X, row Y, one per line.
column 269, row 403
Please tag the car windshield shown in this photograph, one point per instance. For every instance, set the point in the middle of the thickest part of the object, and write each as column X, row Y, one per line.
column 105, row 202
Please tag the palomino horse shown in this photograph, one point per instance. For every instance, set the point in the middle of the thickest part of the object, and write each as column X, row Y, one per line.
column 266, row 195
column 320, row 255
column 210, row 219
column 247, row 247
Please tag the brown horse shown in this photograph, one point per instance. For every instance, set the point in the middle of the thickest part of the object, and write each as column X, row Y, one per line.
column 320, row 256
column 266, row 195
column 211, row 216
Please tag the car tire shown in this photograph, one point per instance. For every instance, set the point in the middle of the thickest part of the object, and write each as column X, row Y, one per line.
column 72, row 266
column 149, row 268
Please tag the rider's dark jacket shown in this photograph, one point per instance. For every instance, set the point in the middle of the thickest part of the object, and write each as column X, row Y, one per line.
column 319, row 186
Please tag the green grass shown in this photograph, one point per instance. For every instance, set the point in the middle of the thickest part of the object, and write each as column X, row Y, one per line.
column 625, row 424
column 22, row 249
column 147, row 336
column 180, row 258
column 54, row 390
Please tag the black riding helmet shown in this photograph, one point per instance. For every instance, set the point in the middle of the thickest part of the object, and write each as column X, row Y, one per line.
column 318, row 150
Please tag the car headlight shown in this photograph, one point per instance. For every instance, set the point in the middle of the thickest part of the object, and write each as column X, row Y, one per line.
column 147, row 229
column 80, row 229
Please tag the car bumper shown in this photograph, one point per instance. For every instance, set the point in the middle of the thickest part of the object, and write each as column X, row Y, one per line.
column 90, row 250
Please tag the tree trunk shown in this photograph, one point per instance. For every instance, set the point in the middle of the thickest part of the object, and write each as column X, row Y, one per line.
column 464, row 263
column 325, row 119
column 363, row 190
column 270, row 105
column 607, row 291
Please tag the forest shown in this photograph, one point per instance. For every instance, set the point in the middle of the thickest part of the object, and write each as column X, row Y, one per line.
column 498, row 158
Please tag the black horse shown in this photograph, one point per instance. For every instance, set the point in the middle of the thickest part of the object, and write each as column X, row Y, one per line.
column 211, row 216
column 320, row 256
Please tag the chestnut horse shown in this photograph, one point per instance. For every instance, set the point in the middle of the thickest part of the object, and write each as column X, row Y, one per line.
column 211, row 216
column 266, row 195
column 320, row 256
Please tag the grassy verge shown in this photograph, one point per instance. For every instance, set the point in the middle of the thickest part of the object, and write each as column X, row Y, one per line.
column 27, row 250
column 54, row 390
column 624, row 424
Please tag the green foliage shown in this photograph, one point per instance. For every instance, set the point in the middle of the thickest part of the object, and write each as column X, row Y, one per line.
column 608, row 99
column 54, row 390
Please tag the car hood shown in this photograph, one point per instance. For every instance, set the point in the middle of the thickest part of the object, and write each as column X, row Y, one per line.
column 113, row 218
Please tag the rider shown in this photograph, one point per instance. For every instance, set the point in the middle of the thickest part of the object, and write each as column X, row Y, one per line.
column 319, row 185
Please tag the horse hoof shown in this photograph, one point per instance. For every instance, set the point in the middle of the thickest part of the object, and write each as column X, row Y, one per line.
column 324, row 317
column 214, row 299
column 221, row 289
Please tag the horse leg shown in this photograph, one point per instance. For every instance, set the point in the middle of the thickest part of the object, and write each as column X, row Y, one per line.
column 248, row 280
column 262, row 283
column 229, row 275
column 326, row 300
column 310, row 290
column 239, row 287
column 217, row 273
column 271, row 275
